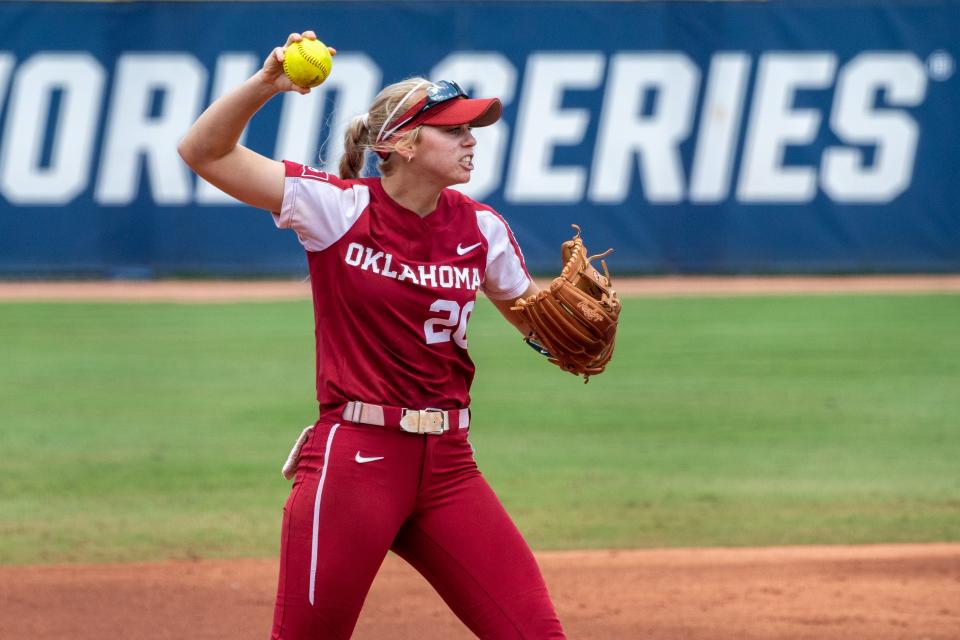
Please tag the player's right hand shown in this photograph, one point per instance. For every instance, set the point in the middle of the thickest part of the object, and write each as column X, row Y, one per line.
column 272, row 71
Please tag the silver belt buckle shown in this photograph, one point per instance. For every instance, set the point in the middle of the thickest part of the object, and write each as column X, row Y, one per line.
column 424, row 421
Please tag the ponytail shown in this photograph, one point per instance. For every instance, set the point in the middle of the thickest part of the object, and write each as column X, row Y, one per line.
column 362, row 131
column 351, row 164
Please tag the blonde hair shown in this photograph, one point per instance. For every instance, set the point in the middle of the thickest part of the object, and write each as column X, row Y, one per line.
column 363, row 130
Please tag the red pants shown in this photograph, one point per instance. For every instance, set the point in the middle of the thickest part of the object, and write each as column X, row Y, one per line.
column 426, row 500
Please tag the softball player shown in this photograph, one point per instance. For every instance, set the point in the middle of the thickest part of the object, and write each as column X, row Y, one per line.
column 395, row 266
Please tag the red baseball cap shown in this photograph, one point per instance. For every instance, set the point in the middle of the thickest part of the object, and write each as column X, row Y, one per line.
column 476, row 112
column 446, row 105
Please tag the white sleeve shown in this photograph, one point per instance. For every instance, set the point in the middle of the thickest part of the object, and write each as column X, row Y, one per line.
column 319, row 207
column 506, row 275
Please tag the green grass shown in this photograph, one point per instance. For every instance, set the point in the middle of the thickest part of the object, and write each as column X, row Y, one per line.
column 134, row 431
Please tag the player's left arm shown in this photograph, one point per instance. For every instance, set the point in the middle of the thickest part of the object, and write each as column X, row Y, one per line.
column 514, row 317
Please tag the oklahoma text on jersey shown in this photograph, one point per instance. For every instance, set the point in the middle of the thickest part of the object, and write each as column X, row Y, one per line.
column 443, row 276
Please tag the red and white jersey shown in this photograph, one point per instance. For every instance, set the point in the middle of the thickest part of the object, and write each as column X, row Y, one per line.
column 392, row 291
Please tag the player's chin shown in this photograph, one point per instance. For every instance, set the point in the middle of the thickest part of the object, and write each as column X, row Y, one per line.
column 462, row 175
column 457, row 174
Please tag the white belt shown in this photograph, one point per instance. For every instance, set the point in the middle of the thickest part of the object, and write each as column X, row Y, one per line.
column 423, row 421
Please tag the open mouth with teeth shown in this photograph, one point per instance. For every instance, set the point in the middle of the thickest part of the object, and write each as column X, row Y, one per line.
column 467, row 162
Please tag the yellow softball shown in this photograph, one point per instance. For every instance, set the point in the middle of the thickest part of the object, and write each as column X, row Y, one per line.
column 307, row 62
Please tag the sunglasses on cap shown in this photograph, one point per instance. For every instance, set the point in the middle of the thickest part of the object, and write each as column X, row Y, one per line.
column 437, row 93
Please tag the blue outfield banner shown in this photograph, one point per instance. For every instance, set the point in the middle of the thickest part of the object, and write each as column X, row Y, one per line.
column 720, row 137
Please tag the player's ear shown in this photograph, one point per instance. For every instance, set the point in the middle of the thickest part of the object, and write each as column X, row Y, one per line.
column 406, row 148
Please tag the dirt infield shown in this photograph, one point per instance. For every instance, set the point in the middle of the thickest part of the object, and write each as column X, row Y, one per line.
column 233, row 290
column 817, row 593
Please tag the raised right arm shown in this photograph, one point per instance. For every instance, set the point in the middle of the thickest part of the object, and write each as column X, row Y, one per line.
column 210, row 147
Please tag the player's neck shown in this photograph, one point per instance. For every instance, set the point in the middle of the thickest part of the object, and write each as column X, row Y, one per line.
column 417, row 196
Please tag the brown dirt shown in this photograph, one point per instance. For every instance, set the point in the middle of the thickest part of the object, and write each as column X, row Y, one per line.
column 232, row 290
column 818, row 593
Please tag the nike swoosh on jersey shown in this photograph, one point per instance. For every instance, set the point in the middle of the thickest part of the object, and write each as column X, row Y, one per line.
column 463, row 250
column 359, row 458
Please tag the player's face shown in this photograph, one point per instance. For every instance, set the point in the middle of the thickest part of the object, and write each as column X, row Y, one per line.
column 445, row 154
